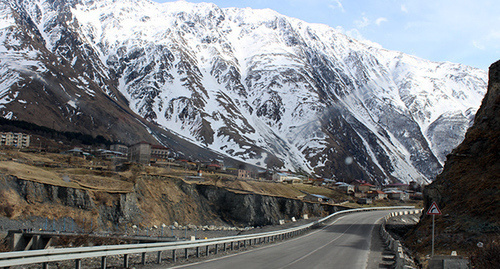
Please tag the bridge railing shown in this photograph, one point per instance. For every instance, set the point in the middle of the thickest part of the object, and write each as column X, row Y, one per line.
column 46, row 256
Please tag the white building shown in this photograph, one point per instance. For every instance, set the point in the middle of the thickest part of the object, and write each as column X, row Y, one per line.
column 282, row 177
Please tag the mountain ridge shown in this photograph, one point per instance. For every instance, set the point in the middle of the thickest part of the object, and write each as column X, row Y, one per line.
column 256, row 85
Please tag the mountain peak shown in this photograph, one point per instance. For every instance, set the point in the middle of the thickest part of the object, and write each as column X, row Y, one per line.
column 250, row 84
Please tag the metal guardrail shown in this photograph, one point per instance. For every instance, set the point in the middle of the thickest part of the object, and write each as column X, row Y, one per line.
column 63, row 254
column 395, row 245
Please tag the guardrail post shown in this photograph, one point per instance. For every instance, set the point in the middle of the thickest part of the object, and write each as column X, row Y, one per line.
column 159, row 257
column 224, row 247
column 260, row 238
column 174, row 256
column 78, row 264
column 125, row 260
column 197, row 252
column 104, row 262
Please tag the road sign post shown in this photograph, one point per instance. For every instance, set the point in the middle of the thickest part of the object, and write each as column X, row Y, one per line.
column 433, row 210
column 432, row 253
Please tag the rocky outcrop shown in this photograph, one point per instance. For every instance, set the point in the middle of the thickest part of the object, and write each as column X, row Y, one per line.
column 467, row 190
column 33, row 192
column 258, row 210
column 184, row 203
column 105, row 208
column 468, row 184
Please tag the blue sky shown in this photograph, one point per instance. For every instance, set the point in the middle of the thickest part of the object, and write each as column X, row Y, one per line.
column 459, row 31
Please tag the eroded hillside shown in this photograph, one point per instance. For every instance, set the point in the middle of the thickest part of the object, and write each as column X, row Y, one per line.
column 56, row 186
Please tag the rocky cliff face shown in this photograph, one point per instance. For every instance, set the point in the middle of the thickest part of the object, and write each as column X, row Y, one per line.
column 258, row 210
column 467, row 190
column 175, row 201
column 253, row 85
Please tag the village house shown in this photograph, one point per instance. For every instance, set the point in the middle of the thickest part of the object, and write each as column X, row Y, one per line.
column 239, row 173
column 398, row 195
column 280, row 176
column 287, row 177
column 159, row 154
column 186, row 164
column 344, row 187
column 79, row 152
column 146, row 153
column 214, row 167
column 111, row 155
column 328, row 182
column 119, row 148
column 358, row 194
column 365, row 187
column 399, row 186
column 377, row 195
column 317, row 181
column 293, row 180
column 365, row 201
column 243, row 174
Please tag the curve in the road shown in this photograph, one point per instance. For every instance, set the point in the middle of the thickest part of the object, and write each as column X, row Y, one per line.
column 344, row 243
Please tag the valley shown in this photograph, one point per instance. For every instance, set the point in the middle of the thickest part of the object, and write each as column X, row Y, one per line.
column 250, row 85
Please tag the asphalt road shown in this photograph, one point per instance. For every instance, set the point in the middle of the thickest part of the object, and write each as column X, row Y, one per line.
column 343, row 243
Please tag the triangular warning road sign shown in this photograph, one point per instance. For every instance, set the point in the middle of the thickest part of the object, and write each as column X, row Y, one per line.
column 434, row 209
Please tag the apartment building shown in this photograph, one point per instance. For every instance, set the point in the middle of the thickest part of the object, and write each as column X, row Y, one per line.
column 140, row 152
column 18, row 140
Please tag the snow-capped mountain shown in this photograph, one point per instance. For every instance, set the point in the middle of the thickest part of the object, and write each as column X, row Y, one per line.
column 254, row 85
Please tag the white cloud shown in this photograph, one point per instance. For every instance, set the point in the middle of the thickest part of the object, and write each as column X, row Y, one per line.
column 478, row 45
column 362, row 23
column 337, row 4
column 490, row 41
column 355, row 34
column 380, row 20
column 404, row 9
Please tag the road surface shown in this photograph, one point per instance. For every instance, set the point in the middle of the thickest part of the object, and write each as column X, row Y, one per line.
column 343, row 243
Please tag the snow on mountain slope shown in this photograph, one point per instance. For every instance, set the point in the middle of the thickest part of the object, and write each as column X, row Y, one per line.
column 260, row 86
